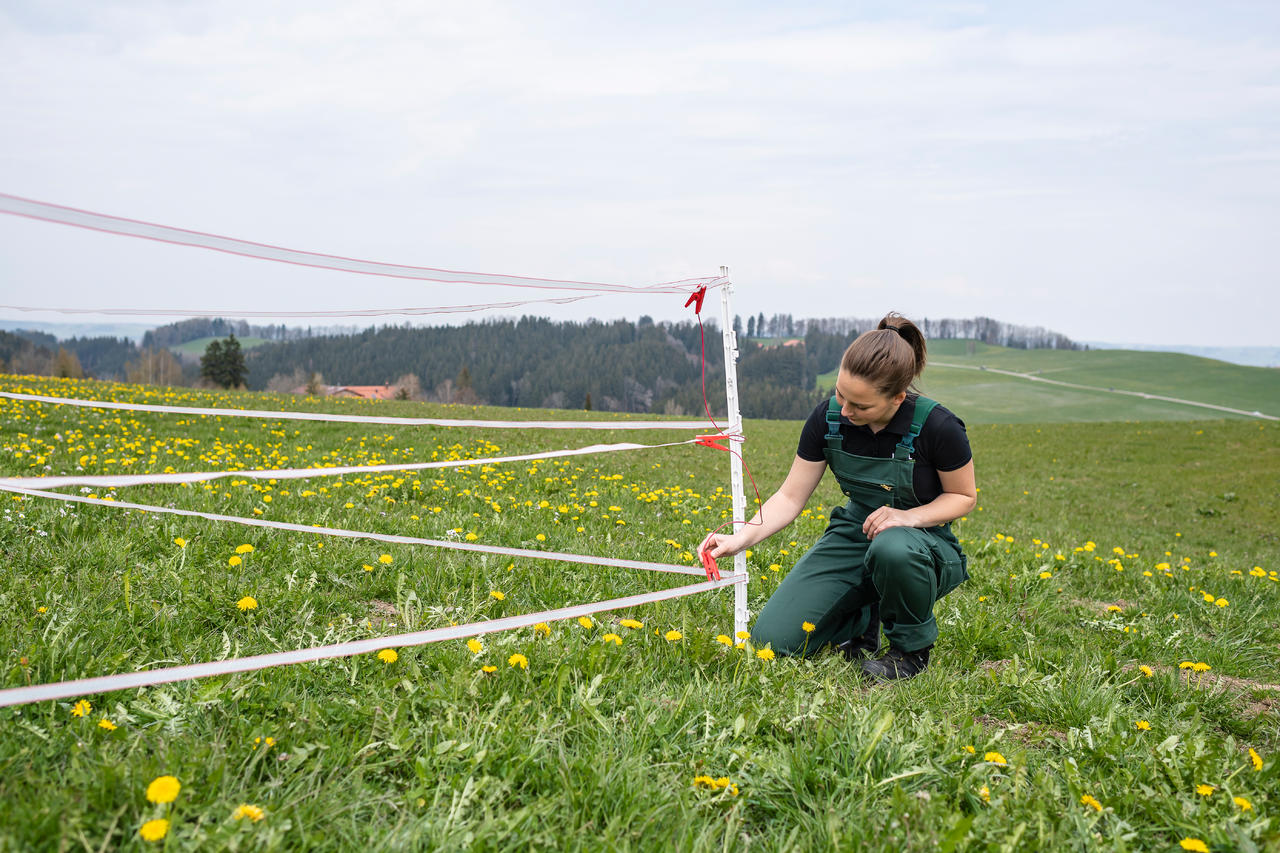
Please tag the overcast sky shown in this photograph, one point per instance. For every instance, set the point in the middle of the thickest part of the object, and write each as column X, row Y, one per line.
column 1108, row 170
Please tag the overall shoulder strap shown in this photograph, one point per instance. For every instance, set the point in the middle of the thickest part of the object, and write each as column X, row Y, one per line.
column 835, row 441
column 923, row 407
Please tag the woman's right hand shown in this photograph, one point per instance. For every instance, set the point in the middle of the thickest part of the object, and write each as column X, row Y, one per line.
column 720, row 545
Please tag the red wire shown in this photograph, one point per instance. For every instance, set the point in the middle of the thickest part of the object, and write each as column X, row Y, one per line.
column 702, row 342
column 702, row 339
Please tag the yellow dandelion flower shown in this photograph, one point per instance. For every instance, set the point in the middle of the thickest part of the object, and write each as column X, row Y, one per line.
column 585, row 621
column 1201, row 667
column 612, row 638
column 180, row 542
column 1255, row 758
column 386, row 559
column 541, row 537
column 1146, row 670
column 518, row 660
column 631, row 623
column 1143, row 726
column 1115, row 608
column 765, row 654
column 163, row 789
column 1091, row 803
column 104, row 723
column 1244, row 804
column 244, row 549
column 81, row 708
column 722, row 638
column 497, row 595
column 807, row 627
column 475, row 646
column 488, row 668
column 388, row 656
column 368, row 568
column 1046, row 575
column 970, row 749
column 672, row 636
column 542, row 628
column 234, row 561
column 743, row 635
column 247, row 603
column 247, row 810
column 1194, row 844
column 994, row 758
column 985, row 793
column 1221, row 602
column 154, row 830
column 1205, row 790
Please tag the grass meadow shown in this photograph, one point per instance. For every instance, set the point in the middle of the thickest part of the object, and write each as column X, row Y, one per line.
column 1108, row 679
column 199, row 345
column 955, row 377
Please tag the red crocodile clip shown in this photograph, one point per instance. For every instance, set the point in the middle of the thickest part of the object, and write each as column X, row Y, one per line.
column 709, row 563
column 695, row 299
column 712, row 441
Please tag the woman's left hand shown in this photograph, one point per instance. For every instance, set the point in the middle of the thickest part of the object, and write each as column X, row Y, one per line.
column 885, row 517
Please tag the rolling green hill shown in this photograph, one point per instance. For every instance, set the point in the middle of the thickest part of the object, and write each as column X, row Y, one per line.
column 962, row 374
column 199, row 345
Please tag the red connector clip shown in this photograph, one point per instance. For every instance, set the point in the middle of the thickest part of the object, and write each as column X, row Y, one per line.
column 695, row 299
column 709, row 563
column 712, row 441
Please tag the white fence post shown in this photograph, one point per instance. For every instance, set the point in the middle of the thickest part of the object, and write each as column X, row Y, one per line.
column 740, row 615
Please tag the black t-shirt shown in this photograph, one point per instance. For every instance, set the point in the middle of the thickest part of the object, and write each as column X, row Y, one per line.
column 941, row 446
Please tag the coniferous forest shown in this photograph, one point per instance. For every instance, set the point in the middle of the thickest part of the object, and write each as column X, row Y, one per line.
column 618, row 365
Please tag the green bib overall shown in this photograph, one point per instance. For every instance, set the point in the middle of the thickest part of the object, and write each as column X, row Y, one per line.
column 906, row 569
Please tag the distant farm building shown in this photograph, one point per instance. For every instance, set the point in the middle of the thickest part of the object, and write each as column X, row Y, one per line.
column 364, row 392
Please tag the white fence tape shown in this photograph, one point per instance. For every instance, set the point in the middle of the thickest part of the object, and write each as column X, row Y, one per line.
column 121, row 480
column 348, row 312
column 357, row 419
column 123, row 681
column 394, row 538
column 33, row 209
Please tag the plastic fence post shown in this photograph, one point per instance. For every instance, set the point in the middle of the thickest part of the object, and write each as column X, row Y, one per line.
column 740, row 616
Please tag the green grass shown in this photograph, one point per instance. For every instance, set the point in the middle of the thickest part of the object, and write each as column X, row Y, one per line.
column 199, row 345
column 955, row 376
column 596, row 745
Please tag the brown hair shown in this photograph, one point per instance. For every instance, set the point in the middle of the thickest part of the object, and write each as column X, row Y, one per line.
column 891, row 356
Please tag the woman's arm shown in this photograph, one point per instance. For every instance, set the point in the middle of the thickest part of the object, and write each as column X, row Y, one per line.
column 774, row 514
column 959, row 496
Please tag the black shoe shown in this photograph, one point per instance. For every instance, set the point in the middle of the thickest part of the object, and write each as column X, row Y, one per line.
column 897, row 664
column 866, row 645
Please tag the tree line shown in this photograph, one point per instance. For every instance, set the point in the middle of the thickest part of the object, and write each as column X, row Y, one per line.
column 620, row 365
column 176, row 334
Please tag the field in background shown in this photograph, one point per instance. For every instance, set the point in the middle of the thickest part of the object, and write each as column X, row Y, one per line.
column 982, row 397
column 1097, row 549
column 199, row 345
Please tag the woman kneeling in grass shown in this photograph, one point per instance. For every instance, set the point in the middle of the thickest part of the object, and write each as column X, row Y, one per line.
column 888, row 554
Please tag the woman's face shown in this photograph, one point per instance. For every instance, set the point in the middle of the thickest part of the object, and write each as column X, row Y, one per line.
column 862, row 404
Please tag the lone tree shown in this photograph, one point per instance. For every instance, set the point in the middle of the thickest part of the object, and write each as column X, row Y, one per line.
column 223, row 363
